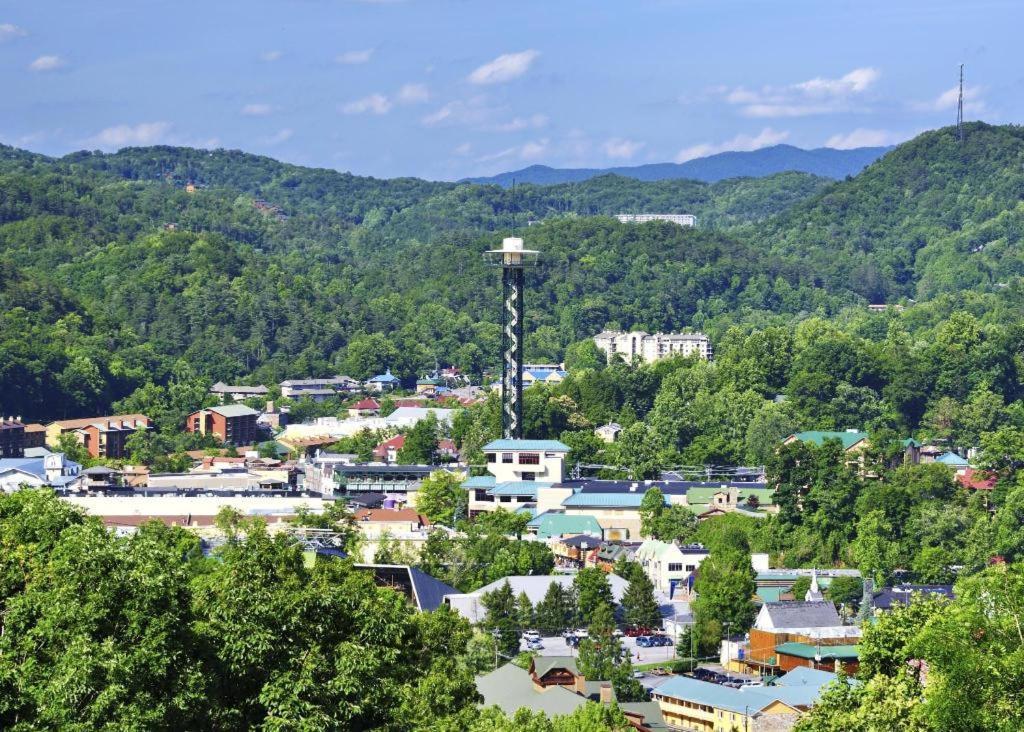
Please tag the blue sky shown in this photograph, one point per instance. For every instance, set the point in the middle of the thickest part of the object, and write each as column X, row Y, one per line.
column 444, row 89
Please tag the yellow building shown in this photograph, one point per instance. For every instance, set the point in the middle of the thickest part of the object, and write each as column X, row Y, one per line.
column 689, row 704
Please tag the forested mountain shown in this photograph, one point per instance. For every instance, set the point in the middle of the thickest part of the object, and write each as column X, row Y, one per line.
column 112, row 274
column 823, row 161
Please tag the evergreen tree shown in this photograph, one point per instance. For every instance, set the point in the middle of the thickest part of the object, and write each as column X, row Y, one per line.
column 639, row 605
column 592, row 591
column 554, row 613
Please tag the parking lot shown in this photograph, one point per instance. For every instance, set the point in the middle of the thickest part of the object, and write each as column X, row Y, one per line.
column 556, row 646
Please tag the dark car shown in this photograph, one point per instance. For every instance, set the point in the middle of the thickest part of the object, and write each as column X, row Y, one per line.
column 644, row 641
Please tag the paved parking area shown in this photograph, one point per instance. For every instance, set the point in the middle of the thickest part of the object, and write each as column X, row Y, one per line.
column 556, row 646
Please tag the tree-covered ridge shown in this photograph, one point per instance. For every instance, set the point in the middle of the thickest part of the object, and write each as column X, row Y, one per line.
column 933, row 216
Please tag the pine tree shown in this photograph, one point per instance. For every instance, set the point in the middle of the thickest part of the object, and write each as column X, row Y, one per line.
column 639, row 604
column 524, row 611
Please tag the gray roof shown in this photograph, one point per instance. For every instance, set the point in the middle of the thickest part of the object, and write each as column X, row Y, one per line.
column 221, row 388
column 820, row 614
column 511, row 688
column 234, row 410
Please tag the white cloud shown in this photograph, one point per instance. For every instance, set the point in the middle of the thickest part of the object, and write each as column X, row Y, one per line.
column 47, row 63
column 271, row 56
column 146, row 133
column 531, row 150
column 463, row 149
column 413, row 94
column 815, row 96
column 949, row 98
column 741, row 142
column 517, row 124
column 278, row 137
column 504, row 68
column 472, row 111
column 622, row 149
column 351, row 58
column 257, row 110
column 9, row 31
column 372, row 104
column 862, row 137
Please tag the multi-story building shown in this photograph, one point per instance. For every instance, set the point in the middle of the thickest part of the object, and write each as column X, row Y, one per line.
column 670, row 566
column 681, row 219
column 234, row 424
column 651, row 347
column 318, row 389
column 102, row 437
column 12, row 438
column 238, row 392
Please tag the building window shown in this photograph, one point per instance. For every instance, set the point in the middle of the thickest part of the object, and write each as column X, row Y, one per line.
column 529, row 458
column 490, row 457
column 529, row 476
column 675, row 567
column 690, row 567
column 506, row 457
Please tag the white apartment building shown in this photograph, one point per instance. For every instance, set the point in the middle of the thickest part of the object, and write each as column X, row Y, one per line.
column 670, row 566
column 681, row 219
column 650, row 347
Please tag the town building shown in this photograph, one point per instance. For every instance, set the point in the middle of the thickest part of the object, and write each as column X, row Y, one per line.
column 690, row 704
column 234, row 424
column 687, row 220
column 35, row 435
column 53, row 470
column 318, row 389
column 652, row 347
column 609, row 432
column 902, row 594
column 237, row 392
column 102, row 437
column 365, row 408
column 423, row 592
column 383, row 382
column 671, row 567
column 387, row 451
column 555, row 686
column 404, row 526
column 543, row 373
column 788, row 635
column 12, row 438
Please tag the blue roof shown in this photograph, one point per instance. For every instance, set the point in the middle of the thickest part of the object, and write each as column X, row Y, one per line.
column 386, row 377
column 430, row 591
column 606, row 500
column 518, row 488
column 530, row 445
column 36, row 466
column 559, row 524
column 479, row 481
column 796, row 689
column 951, row 458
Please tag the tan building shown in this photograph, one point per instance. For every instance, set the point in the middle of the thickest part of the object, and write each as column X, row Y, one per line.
column 652, row 347
column 103, row 437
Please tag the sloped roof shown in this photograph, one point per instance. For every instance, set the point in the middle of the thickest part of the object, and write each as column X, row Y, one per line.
column 529, row 445
column 550, row 524
column 536, row 586
column 820, row 614
column 903, row 594
column 524, row 488
column 511, row 689
column 479, row 481
column 366, row 404
column 605, row 500
column 818, row 437
column 808, row 650
column 72, row 424
column 951, row 458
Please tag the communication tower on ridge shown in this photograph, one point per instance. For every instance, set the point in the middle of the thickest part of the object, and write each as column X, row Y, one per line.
column 960, row 108
column 512, row 259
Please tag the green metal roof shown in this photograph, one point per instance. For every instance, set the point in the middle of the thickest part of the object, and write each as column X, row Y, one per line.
column 526, row 488
column 550, row 525
column 480, row 481
column 526, row 445
column 817, row 437
column 810, row 651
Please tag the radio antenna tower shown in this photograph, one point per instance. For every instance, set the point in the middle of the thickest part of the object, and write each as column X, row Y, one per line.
column 512, row 259
column 960, row 108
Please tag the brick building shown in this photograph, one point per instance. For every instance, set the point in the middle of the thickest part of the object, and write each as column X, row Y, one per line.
column 12, row 438
column 234, row 424
column 102, row 437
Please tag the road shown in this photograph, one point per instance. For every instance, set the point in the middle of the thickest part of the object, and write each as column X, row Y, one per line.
column 556, row 646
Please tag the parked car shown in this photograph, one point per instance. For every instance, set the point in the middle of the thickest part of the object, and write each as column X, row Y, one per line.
column 535, row 645
column 617, row 633
column 572, row 641
column 531, row 635
column 638, row 630
column 581, row 633
column 660, row 640
column 643, row 641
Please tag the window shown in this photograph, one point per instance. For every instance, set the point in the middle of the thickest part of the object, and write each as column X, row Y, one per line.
column 491, row 457
column 675, row 567
column 690, row 567
column 529, row 458
column 529, row 476
column 506, row 499
column 506, row 457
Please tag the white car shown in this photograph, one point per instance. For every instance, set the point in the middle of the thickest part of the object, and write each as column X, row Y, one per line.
column 531, row 636
column 582, row 633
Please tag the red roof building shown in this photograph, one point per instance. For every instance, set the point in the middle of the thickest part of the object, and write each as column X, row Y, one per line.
column 977, row 480
column 387, row 451
column 365, row 408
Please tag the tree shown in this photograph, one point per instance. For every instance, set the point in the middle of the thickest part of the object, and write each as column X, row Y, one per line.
column 592, row 592
column 652, row 506
column 724, row 588
column 524, row 611
column 555, row 612
column 501, row 618
column 441, row 498
column 420, row 446
column 637, row 450
column 600, row 652
column 639, row 605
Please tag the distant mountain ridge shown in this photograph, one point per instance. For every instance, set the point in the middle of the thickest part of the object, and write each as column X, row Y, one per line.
column 823, row 161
